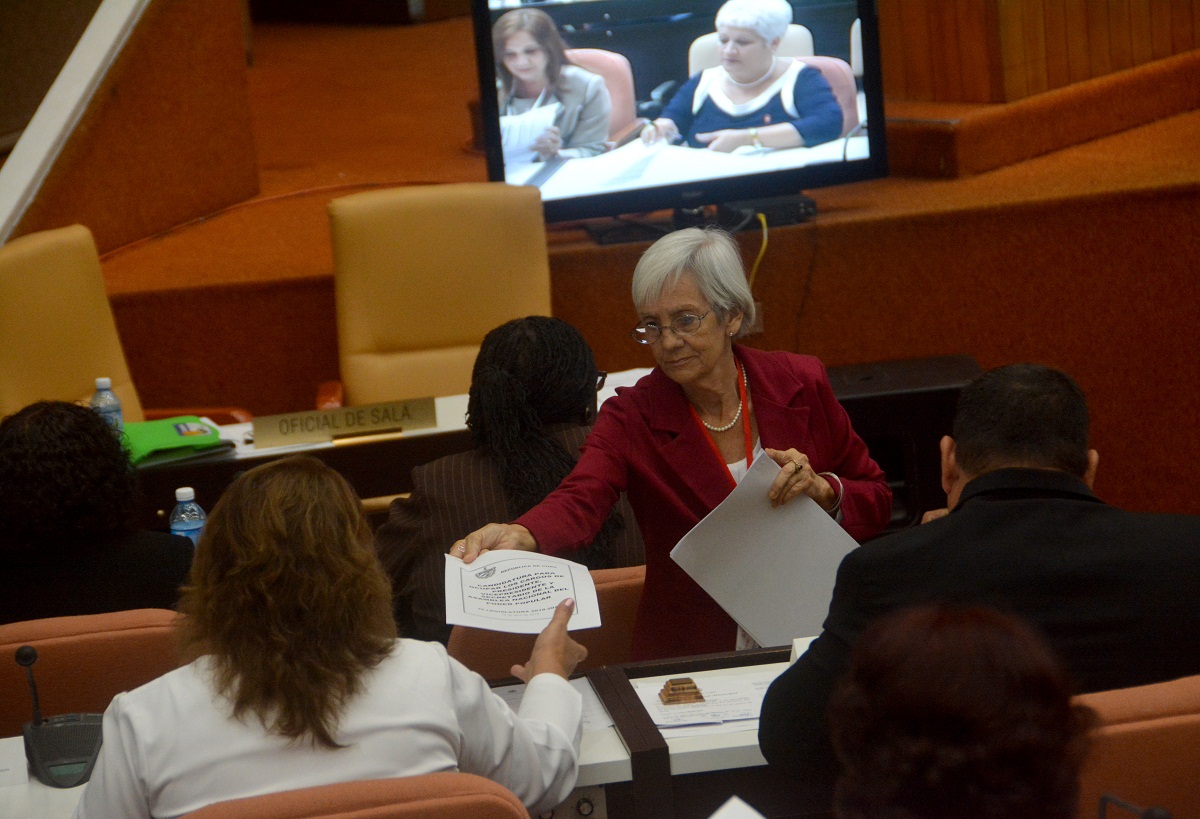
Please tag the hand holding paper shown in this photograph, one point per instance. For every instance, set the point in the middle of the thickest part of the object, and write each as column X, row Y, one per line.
column 517, row 592
column 554, row 652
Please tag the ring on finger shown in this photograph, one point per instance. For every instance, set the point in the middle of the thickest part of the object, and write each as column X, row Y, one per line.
column 799, row 467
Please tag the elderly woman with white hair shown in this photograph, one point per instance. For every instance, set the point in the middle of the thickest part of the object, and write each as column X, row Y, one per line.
column 753, row 98
column 681, row 439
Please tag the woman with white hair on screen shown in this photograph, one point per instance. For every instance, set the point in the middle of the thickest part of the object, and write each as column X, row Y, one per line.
column 754, row 98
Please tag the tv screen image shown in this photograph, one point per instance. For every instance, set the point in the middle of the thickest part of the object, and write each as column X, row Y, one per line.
column 615, row 107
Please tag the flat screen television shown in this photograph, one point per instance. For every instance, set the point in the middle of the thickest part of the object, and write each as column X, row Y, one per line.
column 647, row 50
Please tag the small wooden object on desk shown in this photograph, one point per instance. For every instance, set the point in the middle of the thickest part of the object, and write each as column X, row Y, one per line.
column 680, row 690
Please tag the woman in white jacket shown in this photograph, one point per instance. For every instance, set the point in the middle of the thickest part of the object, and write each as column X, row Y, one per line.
column 300, row 678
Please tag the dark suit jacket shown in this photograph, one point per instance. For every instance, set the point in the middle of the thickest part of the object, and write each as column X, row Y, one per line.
column 1114, row 591
column 139, row 570
column 452, row 497
column 646, row 442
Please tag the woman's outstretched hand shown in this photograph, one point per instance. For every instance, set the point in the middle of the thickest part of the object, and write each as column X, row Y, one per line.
column 554, row 651
column 493, row 536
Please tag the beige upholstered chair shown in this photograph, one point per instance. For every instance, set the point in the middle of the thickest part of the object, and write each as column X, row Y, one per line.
column 705, row 50
column 83, row 661
column 618, row 591
column 1146, row 748
column 432, row 796
column 57, row 333
column 421, row 274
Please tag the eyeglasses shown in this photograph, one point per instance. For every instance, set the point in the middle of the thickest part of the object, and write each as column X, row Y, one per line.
column 601, row 377
column 681, row 325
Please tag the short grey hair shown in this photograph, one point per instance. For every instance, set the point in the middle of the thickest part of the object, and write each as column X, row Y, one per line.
column 768, row 19
column 712, row 258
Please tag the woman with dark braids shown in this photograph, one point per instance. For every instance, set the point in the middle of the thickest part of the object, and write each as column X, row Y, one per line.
column 532, row 397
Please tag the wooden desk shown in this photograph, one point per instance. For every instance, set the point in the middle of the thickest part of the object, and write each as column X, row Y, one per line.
column 627, row 770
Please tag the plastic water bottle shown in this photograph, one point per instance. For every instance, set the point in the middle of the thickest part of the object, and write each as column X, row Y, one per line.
column 187, row 518
column 105, row 402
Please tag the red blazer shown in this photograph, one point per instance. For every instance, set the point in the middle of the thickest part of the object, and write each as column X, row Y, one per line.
column 646, row 443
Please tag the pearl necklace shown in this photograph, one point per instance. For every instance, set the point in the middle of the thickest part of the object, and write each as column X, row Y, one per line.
column 736, row 415
column 770, row 68
column 728, row 426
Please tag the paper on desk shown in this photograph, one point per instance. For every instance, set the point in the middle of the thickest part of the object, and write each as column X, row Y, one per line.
column 14, row 770
column 595, row 716
column 771, row 569
column 517, row 592
column 518, row 131
column 727, row 698
column 735, row 808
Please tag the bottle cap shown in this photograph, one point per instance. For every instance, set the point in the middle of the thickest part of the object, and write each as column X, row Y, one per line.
column 185, row 493
column 104, row 383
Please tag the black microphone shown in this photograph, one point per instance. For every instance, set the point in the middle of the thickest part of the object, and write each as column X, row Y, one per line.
column 26, row 657
column 61, row 750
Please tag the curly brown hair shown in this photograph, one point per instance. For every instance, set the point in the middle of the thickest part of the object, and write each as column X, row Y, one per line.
column 288, row 597
column 949, row 712
column 64, row 476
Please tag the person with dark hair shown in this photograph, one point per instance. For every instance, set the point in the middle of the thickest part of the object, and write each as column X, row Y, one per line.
column 1113, row 591
column 68, row 495
column 533, row 70
column 300, row 681
column 531, row 403
column 682, row 438
column 949, row 712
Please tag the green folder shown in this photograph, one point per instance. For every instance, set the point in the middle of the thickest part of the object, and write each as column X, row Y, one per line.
column 172, row 439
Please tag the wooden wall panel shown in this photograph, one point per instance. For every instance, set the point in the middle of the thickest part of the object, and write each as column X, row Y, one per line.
column 1058, row 72
column 1160, row 27
column 1141, row 46
column 1005, row 50
column 1120, row 45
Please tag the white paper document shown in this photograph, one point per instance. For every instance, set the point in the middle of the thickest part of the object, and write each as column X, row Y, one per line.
column 517, row 592
column 735, row 808
column 518, row 131
column 771, row 569
column 595, row 716
column 728, row 698
column 14, row 770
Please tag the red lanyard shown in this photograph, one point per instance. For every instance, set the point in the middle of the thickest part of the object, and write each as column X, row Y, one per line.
column 745, row 425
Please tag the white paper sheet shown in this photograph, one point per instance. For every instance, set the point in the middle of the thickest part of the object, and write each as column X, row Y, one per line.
column 728, row 698
column 517, row 592
column 14, row 770
column 518, row 131
column 735, row 808
column 771, row 569
column 595, row 716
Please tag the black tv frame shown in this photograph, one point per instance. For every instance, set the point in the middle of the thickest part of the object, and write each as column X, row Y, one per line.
column 696, row 194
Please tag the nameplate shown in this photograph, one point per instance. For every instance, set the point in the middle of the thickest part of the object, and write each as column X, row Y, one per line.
column 316, row 426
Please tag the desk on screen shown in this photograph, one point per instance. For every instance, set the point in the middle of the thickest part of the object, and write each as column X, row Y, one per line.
column 635, row 165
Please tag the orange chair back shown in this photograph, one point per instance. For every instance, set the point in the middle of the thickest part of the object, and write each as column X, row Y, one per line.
column 1146, row 748
column 432, row 796
column 617, row 74
column 492, row 654
column 83, row 661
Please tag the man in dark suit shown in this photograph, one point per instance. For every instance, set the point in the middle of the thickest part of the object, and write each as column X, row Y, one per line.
column 1114, row 591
